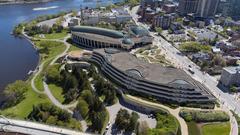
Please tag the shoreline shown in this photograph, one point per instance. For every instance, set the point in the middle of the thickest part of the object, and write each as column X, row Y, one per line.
column 26, row 37
column 24, row 2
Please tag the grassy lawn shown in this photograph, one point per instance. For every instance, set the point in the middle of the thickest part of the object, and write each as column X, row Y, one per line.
column 216, row 129
column 53, row 35
column 22, row 110
column 57, row 92
column 54, row 48
column 193, row 128
column 73, row 48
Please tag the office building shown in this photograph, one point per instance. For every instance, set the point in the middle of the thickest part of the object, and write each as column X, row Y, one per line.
column 207, row 8
column 187, row 6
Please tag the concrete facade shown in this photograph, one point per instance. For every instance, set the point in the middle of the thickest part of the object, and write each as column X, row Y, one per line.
column 230, row 76
column 165, row 84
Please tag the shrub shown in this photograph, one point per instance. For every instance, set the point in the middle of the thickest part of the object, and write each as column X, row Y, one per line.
column 204, row 116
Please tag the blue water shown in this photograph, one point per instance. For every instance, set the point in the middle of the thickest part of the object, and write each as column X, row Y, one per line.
column 17, row 56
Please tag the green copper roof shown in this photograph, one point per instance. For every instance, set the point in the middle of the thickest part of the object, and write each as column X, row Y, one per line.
column 98, row 31
column 127, row 41
column 137, row 30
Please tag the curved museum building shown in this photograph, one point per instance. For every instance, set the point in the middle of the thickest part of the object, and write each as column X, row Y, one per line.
column 95, row 37
column 163, row 83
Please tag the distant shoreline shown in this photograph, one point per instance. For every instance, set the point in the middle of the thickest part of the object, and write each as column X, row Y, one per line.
column 23, row 2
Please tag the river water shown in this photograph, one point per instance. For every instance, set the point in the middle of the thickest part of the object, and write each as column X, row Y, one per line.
column 17, row 56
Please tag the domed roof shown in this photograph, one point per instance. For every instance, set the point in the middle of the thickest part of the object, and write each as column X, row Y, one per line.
column 127, row 41
column 98, row 31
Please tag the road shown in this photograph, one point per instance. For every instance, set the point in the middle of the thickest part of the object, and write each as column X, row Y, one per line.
column 183, row 62
column 27, row 127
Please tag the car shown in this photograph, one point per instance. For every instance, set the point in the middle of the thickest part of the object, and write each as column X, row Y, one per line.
column 191, row 70
column 108, row 125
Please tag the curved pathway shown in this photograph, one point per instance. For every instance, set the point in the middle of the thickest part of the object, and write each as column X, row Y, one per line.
column 47, row 91
column 174, row 112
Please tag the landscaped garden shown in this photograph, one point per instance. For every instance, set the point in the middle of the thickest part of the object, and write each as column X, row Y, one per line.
column 206, row 122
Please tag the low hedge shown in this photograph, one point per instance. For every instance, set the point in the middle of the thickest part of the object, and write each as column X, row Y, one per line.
column 204, row 116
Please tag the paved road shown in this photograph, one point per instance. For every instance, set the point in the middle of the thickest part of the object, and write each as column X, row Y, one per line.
column 27, row 127
column 183, row 62
column 113, row 110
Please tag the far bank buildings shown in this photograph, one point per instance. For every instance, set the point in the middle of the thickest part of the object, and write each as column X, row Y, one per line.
column 110, row 53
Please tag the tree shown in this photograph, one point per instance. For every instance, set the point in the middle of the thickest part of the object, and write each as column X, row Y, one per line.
column 159, row 30
column 98, row 119
column 74, row 13
column 142, row 128
column 133, row 121
column 219, row 60
column 233, row 89
column 53, row 74
column 110, row 96
column 123, row 119
column 14, row 93
column 87, row 96
column 82, row 107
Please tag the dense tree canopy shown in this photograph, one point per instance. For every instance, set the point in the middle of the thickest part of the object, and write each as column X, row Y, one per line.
column 52, row 115
column 126, row 121
column 14, row 93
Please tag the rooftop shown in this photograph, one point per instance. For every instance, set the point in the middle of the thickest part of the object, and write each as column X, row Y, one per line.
column 98, row 31
column 151, row 72
column 140, row 31
column 232, row 70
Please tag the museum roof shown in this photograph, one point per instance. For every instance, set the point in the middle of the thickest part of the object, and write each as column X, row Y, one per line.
column 98, row 31
column 151, row 72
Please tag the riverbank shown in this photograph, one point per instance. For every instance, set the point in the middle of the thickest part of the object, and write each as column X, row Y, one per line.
column 8, row 2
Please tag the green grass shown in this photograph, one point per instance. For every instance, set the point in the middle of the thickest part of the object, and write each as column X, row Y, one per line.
column 216, row 129
column 53, row 35
column 22, row 110
column 73, row 48
column 193, row 128
column 57, row 92
column 55, row 48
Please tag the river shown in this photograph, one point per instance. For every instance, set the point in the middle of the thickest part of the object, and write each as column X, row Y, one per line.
column 17, row 56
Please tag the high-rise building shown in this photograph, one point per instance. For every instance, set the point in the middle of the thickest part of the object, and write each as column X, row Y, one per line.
column 230, row 8
column 201, row 8
column 187, row 6
column 207, row 8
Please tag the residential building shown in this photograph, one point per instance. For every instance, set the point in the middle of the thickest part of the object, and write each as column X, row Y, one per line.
column 230, row 76
column 163, row 21
column 74, row 22
column 93, row 17
column 169, row 8
column 200, row 57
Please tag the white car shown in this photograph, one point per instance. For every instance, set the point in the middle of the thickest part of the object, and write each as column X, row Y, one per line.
column 108, row 126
